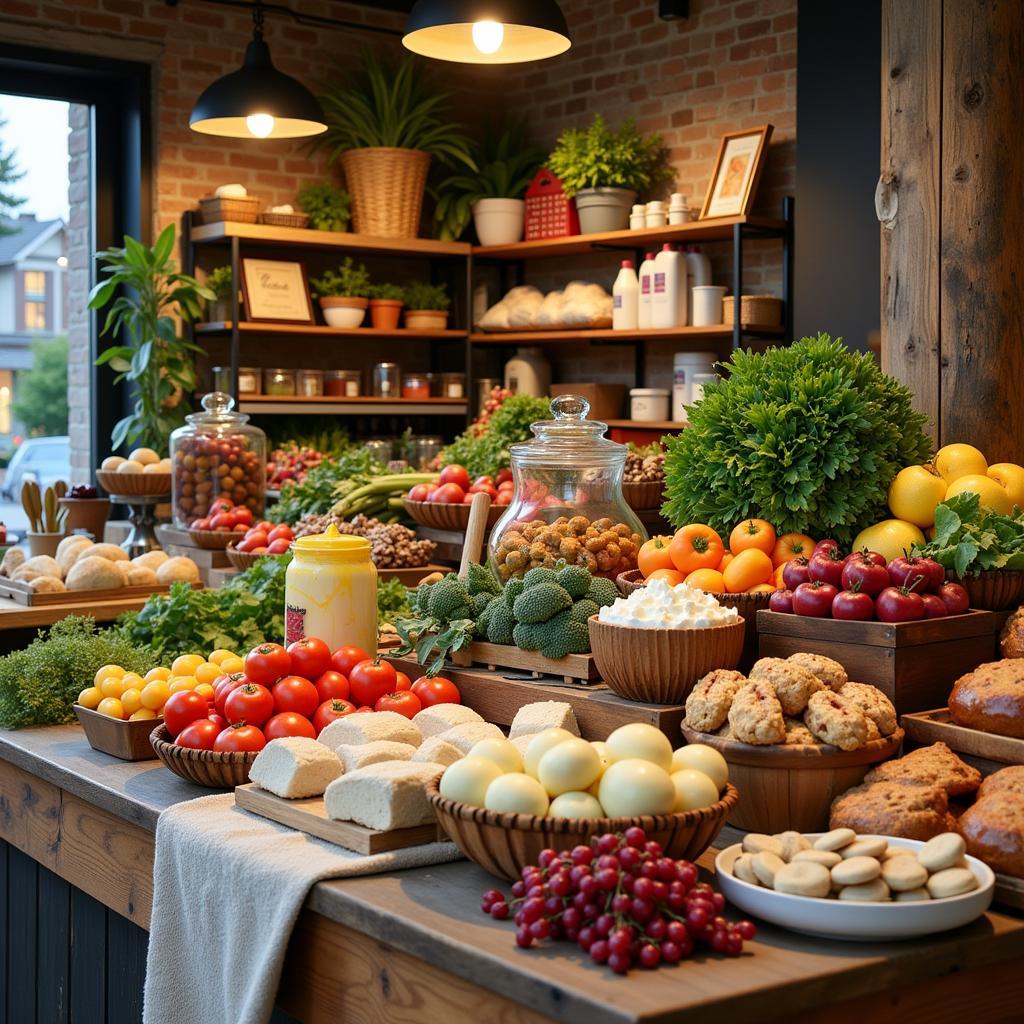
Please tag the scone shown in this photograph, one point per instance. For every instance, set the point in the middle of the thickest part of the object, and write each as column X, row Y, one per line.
column 793, row 684
column 891, row 809
column 1006, row 780
column 707, row 706
column 994, row 832
column 836, row 721
column 991, row 698
column 797, row 734
column 756, row 715
column 936, row 765
column 873, row 703
column 1011, row 639
column 830, row 672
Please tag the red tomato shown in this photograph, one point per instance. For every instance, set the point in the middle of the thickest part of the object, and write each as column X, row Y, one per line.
column 288, row 723
column 934, row 607
column 281, row 531
column 183, row 708
column 504, row 476
column 250, row 703
column 448, row 494
column 293, row 693
column 420, row 492
column 827, row 567
column 454, row 474
column 344, row 659
column 862, row 574
column 826, row 545
column 239, row 738
column 483, row 481
column 267, row 663
column 504, row 497
column 361, row 710
column 468, row 499
column 218, row 720
column 898, row 604
column 330, row 711
column 198, row 735
column 240, row 529
column 795, row 572
column 404, row 703
column 484, row 489
column 814, row 599
column 404, row 683
column 310, row 657
column 954, row 597
column 332, row 685
column 436, row 691
column 224, row 686
column 781, row 601
column 854, row 604
column 201, row 524
column 253, row 539
column 279, row 546
column 243, row 516
column 370, row 680
column 222, row 521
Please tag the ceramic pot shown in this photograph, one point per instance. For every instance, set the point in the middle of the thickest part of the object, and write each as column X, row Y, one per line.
column 499, row 221
column 344, row 310
column 384, row 313
column 44, row 543
column 604, row 209
column 426, row 319
column 90, row 514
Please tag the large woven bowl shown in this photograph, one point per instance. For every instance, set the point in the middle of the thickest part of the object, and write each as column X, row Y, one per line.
column 504, row 844
column 134, row 485
column 661, row 666
column 644, row 495
column 213, row 540
column 203, row 767
column 241, row 560
column 439, row 516
column 994, row 590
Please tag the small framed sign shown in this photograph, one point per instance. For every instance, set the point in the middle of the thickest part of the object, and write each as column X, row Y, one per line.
column 738, row 169
column 276, row 291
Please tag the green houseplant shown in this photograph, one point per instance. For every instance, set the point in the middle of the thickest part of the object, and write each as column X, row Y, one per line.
column 385, row 126
column 219, row 282
column 426, row 306
column 157, row 361
column 386, row 301
column 327, row 206
column 605, row 169
column 344, row 294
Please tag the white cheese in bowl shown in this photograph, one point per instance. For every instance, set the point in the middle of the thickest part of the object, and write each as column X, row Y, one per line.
column 659, row 605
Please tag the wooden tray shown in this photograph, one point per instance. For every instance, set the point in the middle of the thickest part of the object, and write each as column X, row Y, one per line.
column 412, row 577
column 1009, row 891
column 309, row 816
column 130, row 741
column 927, row 727
column 23, row 594
column 571, row 668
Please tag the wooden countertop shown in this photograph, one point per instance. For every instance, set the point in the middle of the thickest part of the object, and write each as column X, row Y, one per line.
column 432, row 916
column 19, row 616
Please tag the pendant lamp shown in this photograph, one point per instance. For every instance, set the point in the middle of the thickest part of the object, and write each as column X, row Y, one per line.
column 257, row 101
column 487, row 31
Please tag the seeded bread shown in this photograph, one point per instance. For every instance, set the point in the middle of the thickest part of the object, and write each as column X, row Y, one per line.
column 378, row 725
column 359, row 755
column 437, row 751
column 384, row 796
column 294, row 767
column 544, row 714
column 441, row 717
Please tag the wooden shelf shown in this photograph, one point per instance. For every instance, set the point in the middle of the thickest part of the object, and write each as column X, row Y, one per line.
column 646, row 424
column 718, row 333
column 253, row 327
column 364, row 405
column 717, row 229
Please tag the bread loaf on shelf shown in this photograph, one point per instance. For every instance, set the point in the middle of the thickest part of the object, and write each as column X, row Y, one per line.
column 991, row 698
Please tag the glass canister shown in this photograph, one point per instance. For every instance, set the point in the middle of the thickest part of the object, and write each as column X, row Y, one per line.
column 343, row 383
column 249, row 378
column 387, row 380
column 415, row 386
column 568, row 499
column 309, row 383
column 217, row 456
column 331, row 591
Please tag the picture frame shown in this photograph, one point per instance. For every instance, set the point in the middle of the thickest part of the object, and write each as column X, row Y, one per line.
column 276, row 291
column 738, row 167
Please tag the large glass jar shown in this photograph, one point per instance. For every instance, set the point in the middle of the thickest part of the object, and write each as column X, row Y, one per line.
column 568, row 499
column 217, row 456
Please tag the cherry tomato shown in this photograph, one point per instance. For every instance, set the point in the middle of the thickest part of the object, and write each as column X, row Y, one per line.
column 288, row 723
column 183, row 708
column 330, row 711
column 795, row 572
column 403, row 682
column 404, row 703
column 267, row 663
column 448, row 494
column 310, row 657
column 331, row 685
column 814, row 599
column 250, row 703
column 279, row 546
column 934, row 606
column 826, row 567
column 237, row 738
column 370, row 680
column 781, row 601
column 862, row 574
column 954, row 597
column 454, row 474
column 899, row 604
column 296, row 694
column 436, row 691
column 853, row 605
column 198, row 735
column 344, row 659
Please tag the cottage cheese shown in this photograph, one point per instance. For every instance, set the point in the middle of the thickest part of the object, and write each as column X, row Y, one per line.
column 661, row 606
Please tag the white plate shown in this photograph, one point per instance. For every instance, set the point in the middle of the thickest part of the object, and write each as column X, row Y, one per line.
column 867, row 922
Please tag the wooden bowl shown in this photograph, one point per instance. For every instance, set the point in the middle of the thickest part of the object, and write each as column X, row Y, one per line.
column 203, row 767
column 994, row 590
column 241, row 560
column 627, row 582
column 792, row 787
column 130, row 741
column 644, row 496
column 661, row 666
column 504, row 844
column 212, row 540
column 439, row 516
column 134, row 485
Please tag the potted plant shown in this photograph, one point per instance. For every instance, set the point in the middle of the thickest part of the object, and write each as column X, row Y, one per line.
column 218, row 309
column 386, row 301
column 507, row 163
column 85, row 510
column 384, row 127
column 426, row 306
column 326, row 206
column 606, row 169
column 344, row 295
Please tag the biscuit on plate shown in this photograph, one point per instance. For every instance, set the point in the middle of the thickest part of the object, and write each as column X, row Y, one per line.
column 936, row 765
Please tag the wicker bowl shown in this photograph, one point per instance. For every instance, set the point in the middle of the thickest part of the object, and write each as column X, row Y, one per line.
column 134, row 485
column 439, row 516
column 241, row 560
column 994, row 590
column 203, row 767
column 213, row 209
column 504, row 844
column 661, row 666
column 212, row 540
column 761, row 310
column 645, row 495
column 284, row 220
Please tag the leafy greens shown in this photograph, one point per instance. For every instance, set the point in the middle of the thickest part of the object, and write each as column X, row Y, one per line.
column 970, row 538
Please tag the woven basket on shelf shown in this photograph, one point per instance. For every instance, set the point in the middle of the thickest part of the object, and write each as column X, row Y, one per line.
column 439, row 516
column 285, row 220
column 387, row 186
column 764, row 310
column 217, row 208
column 994, row 590
column 212, row 540
column 241, row 560
column 644, row 494
column 203, row 767
column 134, row 485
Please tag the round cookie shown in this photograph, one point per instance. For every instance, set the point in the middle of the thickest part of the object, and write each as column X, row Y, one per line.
column 904, row 874
column 742, row 868
column 803, row 878
column 792, row 844
column 951, row 882
column 826, row 858
column 856, row 871
column 766, row 866
column 835, row 840
column 911, row 896
column 830, row 672
column 875, row 891
column 941, row 852
column 865, row 846
column 755, row 842
column 892, row 852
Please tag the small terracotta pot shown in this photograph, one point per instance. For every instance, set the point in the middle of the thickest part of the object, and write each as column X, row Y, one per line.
column 426, row 319
column 344, row 310
column 44, row 543
column 89, row 514
column 385, row 313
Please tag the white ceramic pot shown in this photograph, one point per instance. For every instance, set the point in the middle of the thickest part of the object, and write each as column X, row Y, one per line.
column 707, row 305
column 344, row 310
column 604, row 209
column 499, row 221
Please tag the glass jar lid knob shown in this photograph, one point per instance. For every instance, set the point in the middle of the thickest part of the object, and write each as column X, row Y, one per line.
column 569, row 407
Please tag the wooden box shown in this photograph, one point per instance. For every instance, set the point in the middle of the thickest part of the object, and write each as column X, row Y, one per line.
column 987, row 751
column 607, row 401
column 570, row 668
column 914, row 663
column 129, row 741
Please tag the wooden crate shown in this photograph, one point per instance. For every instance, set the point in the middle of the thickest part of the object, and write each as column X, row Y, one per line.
column 571, row 668
column 914, row 663
column 987, row 751
column 128, row 741
column 21, row 593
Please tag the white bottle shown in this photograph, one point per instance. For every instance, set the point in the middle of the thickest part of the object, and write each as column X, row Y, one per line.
column 668, row 296
column 528, row 372
column 655, row 215
column 699, row 273
column 646, row 286
column 626, row 299
column 638, row 217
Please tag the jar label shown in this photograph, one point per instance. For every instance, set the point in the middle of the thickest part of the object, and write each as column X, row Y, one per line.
column 455, row 391
column 294, row 623
column 351, row 389
column 616, row 302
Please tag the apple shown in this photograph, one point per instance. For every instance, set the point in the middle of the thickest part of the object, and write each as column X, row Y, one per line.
column 957, row 460
column 991, row 494
column 890, row 538
column 1009, row 476
column 914, row 493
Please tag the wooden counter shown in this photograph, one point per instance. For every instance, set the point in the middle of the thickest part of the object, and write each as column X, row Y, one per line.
column 19, row 616
column 413, row 946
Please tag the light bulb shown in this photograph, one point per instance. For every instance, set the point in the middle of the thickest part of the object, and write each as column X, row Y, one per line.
column 488, row 36
column 260, row 125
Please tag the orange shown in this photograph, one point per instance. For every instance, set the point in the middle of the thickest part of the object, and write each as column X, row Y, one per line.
column 710, row 581
column 791, row 545
column 696, row 546
column 763, row 588
column 671, row 576
column 758, row 534
column 654, row 555
column 746, row 570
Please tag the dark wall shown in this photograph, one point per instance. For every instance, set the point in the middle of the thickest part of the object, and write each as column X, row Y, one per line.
column 838, row 118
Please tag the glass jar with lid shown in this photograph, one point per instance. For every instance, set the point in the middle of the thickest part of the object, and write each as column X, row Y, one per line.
column 343, row 383
column 217, row 456
column 279, row 382
column 387, row 380
column 568, row 499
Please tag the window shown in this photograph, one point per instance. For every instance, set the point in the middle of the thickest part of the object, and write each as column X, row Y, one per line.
column 35, row 316
column 35, row 284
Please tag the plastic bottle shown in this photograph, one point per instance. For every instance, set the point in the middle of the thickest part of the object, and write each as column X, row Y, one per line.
column 528, row 373
column 668, row 296
column 638, row 217
column 679, row 209
column 646, row 288
column 698, row 268
column 626, row 299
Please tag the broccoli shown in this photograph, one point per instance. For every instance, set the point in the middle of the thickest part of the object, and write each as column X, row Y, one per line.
column 563, row 635
column 603, row 591
column 527, row 636
column 479, row 602
column 540, row 574
column 513, row 589
column 501, row 625
column 575, row 579
column 582, row 610
column 540, row 602
column 449, row 600
column 480, row 580
column 483, row 619
column 421, row 602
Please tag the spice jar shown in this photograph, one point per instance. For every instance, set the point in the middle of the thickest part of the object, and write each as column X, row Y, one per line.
column 387, row 380
column 343, row 383
column 248, row 381
column 310, row 383
column 415, row 385
column 453, row 385
column 279, row 382
column 380, row 450
column 425, row 450
column 221, row 378
column 216, row 456
column 568, row 499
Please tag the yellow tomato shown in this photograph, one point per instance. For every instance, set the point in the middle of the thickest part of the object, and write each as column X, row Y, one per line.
column 157, row 673
column 746, row 570
column 132, row 681
column 107, row 670
column 90, row 697
column 204, row 690
column 672, row 577
column 111, row 686
column 186, row 664
column 220, row 654
column 182, row 683
column 111, row 707
column 131, row 700
column 763, row 588
column 207, row 672
column 231, row 665
column 710, row 581
column 143, row 714
column 154, row 695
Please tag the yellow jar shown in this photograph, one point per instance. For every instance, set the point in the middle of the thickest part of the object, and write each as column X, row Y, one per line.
column 331, row 591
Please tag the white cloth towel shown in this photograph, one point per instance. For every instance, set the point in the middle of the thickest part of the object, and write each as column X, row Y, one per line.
column 228, row 888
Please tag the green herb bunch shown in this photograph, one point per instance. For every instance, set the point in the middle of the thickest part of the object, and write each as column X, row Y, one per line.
column 807, row 436
column 392, row 600
column 387, row 291
column 488, row 452
column 219, row 282
column 350, row 279
column 970, row 538
column 327, row 206
column 324, row 485
column 420, row 295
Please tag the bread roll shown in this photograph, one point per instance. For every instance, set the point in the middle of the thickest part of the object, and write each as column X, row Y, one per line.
column 111, row 552
column 72, row 552
column 44, row 565
column 13, row 559
column 140, row 576
column 176, row 570
column 47, row 585
column 93, row 573
column 151, row 559
column 994, row 831
column 991, row 698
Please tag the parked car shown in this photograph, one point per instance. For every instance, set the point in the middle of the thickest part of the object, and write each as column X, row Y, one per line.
column 43, row 459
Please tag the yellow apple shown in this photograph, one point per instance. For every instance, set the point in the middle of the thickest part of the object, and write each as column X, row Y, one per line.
column 1010, row 476
column 890, row 538
column 915, row 492
column 991, row 494
column 957, row 460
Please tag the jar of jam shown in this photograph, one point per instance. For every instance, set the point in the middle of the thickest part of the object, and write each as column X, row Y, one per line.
column 248, row 380
column 415, row 386
column 343, row 383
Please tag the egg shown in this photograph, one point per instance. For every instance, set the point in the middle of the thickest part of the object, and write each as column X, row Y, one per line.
column 642, row 742
column 501, row 752
column 515, row 793
column 130, row 468
column 111, row 463
column 702, row 758
column 467, row 780
column 693, row 790
column 602, row 752
column 632, row 787
column 144, row 455
column 540, row 745
column 155, row 467
column 571, row 765
column 575, row 805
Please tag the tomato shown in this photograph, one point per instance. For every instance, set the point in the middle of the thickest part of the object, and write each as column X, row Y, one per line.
column 696, row 547
column 954, row 597
column 243, row 516
column 763, row 588
column 825, row 545
column 448, row 494
column 504, row 497
column 289, row 723
column 853, row 604
column 403, row 682
column 749, row 568
column 198, row 735
column 934, row 606
column 758, row 534
column 673, row 577
column 331, row 685
column 281, row 532
column 361, row 710
column 777, row 576
column 436, row 691
column 330, row 711
column 454, row 474
column 293, row 693
column 711, row 581
column 654, row 555
column 899, row 604
column 871, row 556
column 279, row 546
column 791, row 545
column 218, row 720
column 237, row 738
column 201, row 524
column 370, row 680
column 250, row 703
column 827, row 567
column 795, row 572
column 483, row 481
column 814, row 599
column 267, row 663
column 488, row 489
column 344, row 659
column 904, row 571
column 403, row 703
column 420, row 492
column 781, row 601
column 224, row 686
column 223, row 521
column 253, row 539
column 310, row 656
column 504, row 476
column 183, row 708
column 860, row 573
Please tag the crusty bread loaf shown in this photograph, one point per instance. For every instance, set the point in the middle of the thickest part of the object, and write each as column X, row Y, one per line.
column 541, row 715
column 994, row 831
column 991, row 698
column 359, row 755
column 295, row 767
column 465, row 737
column 438, row 751
column 384, row 796
column 377, row 725
column 435, row 720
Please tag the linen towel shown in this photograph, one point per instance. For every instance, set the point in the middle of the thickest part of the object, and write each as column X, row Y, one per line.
column 228, row 888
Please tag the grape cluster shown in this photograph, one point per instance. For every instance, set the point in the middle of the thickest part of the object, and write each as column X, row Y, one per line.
column 620, row 900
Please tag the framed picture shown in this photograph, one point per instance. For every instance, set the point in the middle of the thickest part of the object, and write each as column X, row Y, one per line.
column 737, row 172
column 276, row 291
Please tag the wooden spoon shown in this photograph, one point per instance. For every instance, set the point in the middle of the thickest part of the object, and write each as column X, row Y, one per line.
column 473, row 545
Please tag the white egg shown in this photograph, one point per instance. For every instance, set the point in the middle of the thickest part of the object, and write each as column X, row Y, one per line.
column 643, row 742
column 602, row 752
column 575, row 805
column 633, row 787
column 702, row 758
column 111, row 462
column 501, row 752
column 540, row 745
column 144, row 455
column 130, row 468
column 568, row 766
column 693, row 790
column 467, row 780
column 155, row 467
column 516, row 793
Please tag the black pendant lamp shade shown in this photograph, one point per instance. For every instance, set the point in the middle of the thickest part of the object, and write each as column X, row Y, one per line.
column 487, row 31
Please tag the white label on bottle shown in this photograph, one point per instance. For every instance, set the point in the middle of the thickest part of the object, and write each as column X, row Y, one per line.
column 616, row 302
column 455, row 390
column 351, row 389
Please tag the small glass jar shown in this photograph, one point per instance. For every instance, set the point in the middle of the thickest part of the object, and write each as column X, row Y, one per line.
column 380, row 449
column 221, row 378
column 278, row 382
column 415, row 386
column 309, row 383
column 453, row 385
column 343, row 383
column 248, row 380
column 387, row 380
column 425, row 450
column 434, row 380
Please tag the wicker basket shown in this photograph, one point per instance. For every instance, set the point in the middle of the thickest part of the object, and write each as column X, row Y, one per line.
column 645, row 495
column 203, row 767
column 134, row 485
column 212, row 540
column 763, row 310
column 241, row 560
column 995, row 590
column 217, row 208
column 284, row 220
column 387, row 186
column 439, row 516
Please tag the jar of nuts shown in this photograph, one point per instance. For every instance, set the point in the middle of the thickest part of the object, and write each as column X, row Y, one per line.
column 568, row 500
column 217, row 456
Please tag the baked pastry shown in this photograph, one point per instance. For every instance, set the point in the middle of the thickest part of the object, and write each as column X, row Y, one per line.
column 1011, row 639
column 797, row 734
column 994, row 831
column 936, row 765
column 756, row 715
column 1006, row 780
column 792, row 683
column 708, row 703
column 872, row 703
column 892, row 809
column 991, row 698
column 836, row 721
column 830, row 672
